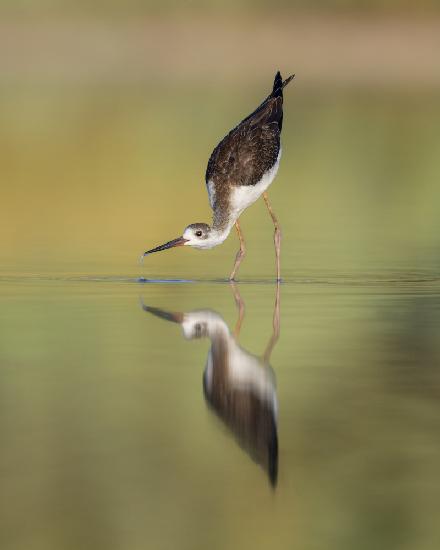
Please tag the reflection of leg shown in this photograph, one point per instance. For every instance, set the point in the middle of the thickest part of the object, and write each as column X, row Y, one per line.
column 276, row 326
column 240, row 305
column 240, row 254
column 276, row 235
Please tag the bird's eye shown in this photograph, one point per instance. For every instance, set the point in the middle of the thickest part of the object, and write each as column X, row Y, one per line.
column 198, row 233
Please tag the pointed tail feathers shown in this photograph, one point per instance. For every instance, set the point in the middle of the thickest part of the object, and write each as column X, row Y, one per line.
column 279, row 84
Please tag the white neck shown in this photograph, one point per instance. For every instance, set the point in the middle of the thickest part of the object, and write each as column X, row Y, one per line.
column 218, row 236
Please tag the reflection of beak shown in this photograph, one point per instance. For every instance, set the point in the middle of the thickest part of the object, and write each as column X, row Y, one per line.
column 174, row 317
column 180, row 241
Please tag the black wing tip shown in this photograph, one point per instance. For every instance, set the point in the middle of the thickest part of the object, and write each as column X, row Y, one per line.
column 278, row 81
column 279, row 84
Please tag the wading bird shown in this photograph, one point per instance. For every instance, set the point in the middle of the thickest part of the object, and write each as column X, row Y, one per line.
column 239, row 171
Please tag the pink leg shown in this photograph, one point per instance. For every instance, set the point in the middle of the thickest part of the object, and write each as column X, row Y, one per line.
column 276, row 235
column 240, row 254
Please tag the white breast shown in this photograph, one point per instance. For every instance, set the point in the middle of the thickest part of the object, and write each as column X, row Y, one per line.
column 245, row 195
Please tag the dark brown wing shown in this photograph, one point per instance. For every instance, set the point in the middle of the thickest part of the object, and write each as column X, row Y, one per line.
column 250, row 149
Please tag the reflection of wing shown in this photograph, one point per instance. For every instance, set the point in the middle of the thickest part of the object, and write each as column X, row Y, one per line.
column 250, row 149
column 246, row 402
column 239, row 386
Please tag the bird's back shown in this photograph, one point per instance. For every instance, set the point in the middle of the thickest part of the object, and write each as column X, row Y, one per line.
column 249, row 150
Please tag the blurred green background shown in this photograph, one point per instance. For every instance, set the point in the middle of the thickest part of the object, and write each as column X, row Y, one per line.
column 108, row 115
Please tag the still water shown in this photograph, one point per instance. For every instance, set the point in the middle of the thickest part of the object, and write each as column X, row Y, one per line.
column 205, row 415
column 159, row 406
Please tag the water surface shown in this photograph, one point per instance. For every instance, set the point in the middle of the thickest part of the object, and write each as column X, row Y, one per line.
column 113, row 439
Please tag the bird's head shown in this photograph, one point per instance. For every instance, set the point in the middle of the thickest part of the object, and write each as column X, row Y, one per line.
column 197, row 235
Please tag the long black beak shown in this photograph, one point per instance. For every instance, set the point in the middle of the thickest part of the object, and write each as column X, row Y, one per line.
column 180, row 241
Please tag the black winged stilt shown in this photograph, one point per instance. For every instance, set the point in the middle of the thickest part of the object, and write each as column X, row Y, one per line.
column 239, row 171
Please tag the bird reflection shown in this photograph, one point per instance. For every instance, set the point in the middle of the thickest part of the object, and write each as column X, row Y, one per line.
column 238, row 386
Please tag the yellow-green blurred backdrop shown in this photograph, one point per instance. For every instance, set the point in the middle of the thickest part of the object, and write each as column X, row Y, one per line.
column 109, row 112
